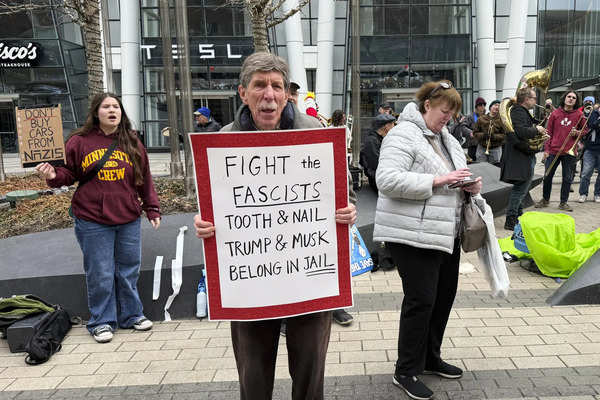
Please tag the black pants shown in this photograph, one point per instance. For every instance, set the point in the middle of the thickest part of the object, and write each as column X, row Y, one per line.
column 429, row 280
column 567, row 163
column 255, row 348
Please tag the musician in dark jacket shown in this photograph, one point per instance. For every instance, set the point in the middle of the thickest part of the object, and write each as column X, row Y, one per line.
column 519, row 158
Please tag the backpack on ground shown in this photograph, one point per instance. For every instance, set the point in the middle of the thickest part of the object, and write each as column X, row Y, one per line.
column 48, row 338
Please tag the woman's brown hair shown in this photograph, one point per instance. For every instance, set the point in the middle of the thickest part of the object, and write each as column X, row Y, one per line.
column 128, row 140
column 436, row 93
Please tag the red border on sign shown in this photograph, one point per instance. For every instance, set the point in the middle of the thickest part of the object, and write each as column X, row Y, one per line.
column 200, row 142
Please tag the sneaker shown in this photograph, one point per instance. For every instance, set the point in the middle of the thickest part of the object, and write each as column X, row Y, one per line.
column 565, row 207
column 142, row 324
column 510, row 223
column 444, row 370
column 582, row 198
column 102, row 334
column 597, row 199
column 542, row 203
column 341, row 317
column 414, row 388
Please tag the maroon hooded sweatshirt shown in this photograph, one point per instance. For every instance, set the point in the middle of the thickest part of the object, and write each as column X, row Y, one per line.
column 111, row 196
column 559, row 126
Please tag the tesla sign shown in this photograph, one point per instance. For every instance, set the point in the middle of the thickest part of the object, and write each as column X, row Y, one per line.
column 206, row 51
column 18, row 55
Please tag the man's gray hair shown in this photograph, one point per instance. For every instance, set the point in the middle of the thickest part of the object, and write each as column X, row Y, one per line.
column 263, row 62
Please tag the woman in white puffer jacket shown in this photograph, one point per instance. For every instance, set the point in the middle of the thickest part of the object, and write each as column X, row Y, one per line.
column 418, row 216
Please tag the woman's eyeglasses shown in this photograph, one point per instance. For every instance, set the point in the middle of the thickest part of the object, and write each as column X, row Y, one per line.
column 442, row 85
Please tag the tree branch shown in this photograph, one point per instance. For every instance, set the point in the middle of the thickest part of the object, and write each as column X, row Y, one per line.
column 12, row 8
column 272, row 8
column 288, row 14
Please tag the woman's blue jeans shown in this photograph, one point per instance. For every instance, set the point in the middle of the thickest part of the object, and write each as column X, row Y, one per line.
column 112, row 256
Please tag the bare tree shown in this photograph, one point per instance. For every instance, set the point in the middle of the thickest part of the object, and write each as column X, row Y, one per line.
column 265, row 14
column 86, row 14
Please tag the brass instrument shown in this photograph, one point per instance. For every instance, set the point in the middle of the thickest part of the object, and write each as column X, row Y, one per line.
column 487, row 148
column 540, row 79
column 587, row 110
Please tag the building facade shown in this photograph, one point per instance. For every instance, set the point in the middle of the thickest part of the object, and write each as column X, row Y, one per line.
column 482, row 46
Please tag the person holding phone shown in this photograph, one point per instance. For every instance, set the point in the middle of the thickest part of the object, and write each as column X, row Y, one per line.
column 419, row 215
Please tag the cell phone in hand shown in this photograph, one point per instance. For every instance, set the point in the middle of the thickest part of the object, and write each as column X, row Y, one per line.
column 461, row 184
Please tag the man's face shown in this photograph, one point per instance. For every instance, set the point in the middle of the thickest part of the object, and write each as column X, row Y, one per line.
column 201, row 119
column 387, row 127
column 571, row 99
column 266, row 97
column 494, row 109
column 293, row 98
column 531, row 100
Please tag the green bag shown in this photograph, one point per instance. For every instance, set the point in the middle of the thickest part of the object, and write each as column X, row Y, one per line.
column 15, row 308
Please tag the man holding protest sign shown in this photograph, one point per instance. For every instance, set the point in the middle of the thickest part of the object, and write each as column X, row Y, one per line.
column 264, row 86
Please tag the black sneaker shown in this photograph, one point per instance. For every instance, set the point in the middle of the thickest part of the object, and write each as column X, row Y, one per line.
column 510, row 222
column 342, row 317
column 414, row 388
column 444, row 370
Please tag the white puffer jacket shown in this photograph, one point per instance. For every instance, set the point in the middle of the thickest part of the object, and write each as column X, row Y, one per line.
column 409, row 209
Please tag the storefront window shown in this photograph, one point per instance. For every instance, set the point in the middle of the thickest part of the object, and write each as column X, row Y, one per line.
column 34, row 80
column 156, row 106
column 17, row 25
column 150, row 22
column 43, row 24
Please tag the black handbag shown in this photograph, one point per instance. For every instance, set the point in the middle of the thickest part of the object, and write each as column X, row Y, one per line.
column 47, row 340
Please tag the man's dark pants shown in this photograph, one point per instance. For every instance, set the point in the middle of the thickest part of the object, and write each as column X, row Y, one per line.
column 518, row 193
column 255, row 348
column 567, row 163
column 429, row 281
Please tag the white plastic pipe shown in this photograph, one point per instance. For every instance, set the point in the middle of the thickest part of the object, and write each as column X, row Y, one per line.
column 517, row 25
column 130, row 60
column 325, row 36
column 295, row 50
column 486, row 69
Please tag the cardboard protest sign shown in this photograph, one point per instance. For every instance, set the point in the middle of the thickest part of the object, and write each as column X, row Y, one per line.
column 360, row 258
column 40, row 133
column 272, row 196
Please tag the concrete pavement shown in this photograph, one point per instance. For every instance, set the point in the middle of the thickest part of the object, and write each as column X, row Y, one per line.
column 513, row 348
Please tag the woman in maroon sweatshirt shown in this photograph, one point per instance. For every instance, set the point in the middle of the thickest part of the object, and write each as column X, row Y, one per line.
column 564, row 125
column 107, row 213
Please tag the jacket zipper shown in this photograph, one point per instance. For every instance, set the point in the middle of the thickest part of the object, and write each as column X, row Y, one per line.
column 423, row 210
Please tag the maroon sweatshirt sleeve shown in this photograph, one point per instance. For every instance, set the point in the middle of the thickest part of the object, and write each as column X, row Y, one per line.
column 70, row 173
column 146, row 191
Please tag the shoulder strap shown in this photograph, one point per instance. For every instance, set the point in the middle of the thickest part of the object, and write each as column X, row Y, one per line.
column 87, row 177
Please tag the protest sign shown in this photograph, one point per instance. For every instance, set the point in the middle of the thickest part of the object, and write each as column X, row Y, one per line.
column 40, row 135
column 272, row 196
column 360, row 258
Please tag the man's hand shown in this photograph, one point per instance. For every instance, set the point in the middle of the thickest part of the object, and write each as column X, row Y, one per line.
column 204, row 229
column 574, row 132
column 544, row 157
column 541, row 129
column 46, row 170
column 346, row 215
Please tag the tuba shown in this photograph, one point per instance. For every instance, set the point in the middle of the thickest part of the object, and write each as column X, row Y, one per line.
column 540, row 78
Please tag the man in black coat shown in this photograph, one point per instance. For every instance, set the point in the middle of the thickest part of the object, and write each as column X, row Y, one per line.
column 204, row 123
column 519, row 158
column 369, row 153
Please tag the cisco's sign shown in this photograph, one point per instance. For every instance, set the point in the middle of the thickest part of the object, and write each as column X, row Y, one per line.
column 19, row 54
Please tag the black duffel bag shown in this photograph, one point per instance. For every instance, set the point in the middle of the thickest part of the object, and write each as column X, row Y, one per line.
column 47, row 340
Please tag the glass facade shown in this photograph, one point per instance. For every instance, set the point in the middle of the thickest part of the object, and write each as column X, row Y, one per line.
column 405, row 43
column 570, row 30
column 58, row 75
